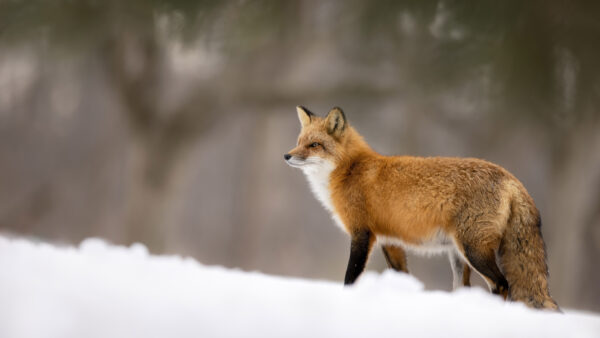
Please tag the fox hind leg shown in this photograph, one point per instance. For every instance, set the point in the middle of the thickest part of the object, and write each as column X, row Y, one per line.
column 461, row 273
column 466, row 275
column 483, row 260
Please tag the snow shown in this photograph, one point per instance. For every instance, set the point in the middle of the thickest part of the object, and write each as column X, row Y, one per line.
column 102, row 290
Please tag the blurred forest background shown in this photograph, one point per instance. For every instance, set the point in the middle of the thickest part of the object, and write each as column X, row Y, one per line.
column 165, row 121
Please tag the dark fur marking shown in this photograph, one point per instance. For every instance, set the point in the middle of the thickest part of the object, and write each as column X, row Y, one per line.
column 487, row 267
column 398, row 266
column 308, row 112
column 351, row 168
column 387, row 257
column 343, row 118
column 359, row 252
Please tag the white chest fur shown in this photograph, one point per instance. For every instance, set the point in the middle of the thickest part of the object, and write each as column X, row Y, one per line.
column 438, row 243
column 318, row 174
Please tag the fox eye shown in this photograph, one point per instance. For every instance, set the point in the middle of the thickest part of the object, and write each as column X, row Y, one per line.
column 314, row 144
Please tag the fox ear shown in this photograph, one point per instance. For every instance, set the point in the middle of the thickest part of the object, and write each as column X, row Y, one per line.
column 304, row 115
column 335, row 122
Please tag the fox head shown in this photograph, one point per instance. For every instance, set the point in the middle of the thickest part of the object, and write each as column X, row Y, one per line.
column 322, row 142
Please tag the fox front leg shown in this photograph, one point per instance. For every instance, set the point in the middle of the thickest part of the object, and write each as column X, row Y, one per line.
column 395, row 257
column 360, row 247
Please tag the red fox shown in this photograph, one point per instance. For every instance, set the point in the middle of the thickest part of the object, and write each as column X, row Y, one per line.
column 475, row 211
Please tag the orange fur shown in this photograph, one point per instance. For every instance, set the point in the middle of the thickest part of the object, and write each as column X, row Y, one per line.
column 462, row 205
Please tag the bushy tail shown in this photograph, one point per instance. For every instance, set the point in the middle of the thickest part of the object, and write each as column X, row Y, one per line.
column 522, row 256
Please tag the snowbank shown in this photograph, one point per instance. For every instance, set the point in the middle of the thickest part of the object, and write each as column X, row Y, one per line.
column 100, row 290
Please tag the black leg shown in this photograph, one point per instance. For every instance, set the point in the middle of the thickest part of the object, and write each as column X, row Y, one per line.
column 360, row 247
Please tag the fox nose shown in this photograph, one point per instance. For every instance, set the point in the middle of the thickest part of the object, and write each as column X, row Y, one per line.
column 287, row 156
